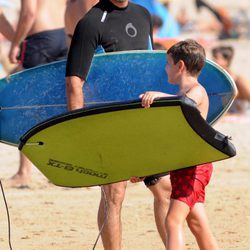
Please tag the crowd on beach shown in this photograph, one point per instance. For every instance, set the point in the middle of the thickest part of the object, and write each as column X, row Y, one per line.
column 54, row 23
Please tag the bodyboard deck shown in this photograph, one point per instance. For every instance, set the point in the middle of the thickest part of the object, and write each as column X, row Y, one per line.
column 101, row 145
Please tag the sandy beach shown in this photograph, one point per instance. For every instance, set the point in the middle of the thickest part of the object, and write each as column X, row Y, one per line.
column 44, row 216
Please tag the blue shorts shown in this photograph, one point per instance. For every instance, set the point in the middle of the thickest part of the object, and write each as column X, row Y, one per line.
column 43, row 47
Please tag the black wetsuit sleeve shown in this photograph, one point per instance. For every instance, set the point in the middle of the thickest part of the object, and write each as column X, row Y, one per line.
column 84, row 42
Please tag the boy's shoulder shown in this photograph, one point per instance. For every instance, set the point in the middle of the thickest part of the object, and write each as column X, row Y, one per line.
column 198, row 88
column 198, row 93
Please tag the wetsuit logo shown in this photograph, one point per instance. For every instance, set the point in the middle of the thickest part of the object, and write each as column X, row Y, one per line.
column 131, row 30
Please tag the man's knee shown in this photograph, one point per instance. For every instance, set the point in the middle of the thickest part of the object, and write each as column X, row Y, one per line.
column 114, row 194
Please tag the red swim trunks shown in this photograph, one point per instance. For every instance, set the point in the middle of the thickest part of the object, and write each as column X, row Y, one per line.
column 188, row 185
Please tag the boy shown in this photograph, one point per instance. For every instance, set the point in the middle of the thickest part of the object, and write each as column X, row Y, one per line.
column 184, row 63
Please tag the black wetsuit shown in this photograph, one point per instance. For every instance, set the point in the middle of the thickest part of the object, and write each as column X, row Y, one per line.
column 109, row 28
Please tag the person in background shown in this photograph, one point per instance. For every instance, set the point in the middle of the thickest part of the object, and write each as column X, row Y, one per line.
column 39, row 38
column 157, row 24
column 5, row 27
column 7, row 31
column 75, row 10
column 170, row 28
column 223, row 55
column 221, row 15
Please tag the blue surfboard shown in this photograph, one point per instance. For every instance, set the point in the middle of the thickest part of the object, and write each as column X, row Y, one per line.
column 113, row 142
column 34, row 95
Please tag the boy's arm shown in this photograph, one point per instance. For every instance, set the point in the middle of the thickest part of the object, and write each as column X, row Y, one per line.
column 149, row 97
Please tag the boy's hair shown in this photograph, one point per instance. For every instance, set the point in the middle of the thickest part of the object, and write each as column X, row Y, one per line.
column 227, row 52
column 191, row 53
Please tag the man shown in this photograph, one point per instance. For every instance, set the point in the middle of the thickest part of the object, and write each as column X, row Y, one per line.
column 39, row 39
column 112, row 25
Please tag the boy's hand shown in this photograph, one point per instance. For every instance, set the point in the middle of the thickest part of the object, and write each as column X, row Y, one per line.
column 136, row 179
column 148, row 97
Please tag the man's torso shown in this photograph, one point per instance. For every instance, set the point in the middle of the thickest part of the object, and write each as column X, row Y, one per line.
column 111, row 29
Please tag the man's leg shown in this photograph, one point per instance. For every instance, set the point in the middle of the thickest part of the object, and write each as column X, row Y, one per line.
column 111, row 204
column 23, row 175
column 161, row 191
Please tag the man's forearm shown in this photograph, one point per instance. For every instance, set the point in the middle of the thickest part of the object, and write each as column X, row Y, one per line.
column 25, row 23
column 75, row 96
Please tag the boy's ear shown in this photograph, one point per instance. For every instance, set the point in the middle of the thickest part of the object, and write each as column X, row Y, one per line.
column 181, row 65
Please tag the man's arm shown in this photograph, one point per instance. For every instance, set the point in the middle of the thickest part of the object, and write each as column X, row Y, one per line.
column 81, row 52
column 25, row 22
column 5, row 27
column 75, row 96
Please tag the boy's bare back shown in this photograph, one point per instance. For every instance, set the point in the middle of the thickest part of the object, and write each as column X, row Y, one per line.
column 199, row 95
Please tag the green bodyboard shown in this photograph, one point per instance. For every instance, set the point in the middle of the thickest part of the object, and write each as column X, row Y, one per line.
column 108, row 144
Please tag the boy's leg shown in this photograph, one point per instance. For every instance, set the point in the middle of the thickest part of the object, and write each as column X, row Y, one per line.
column 198, row 223
column 177, row 214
